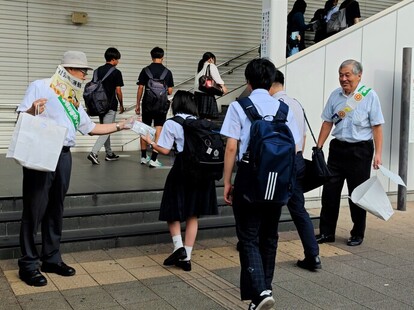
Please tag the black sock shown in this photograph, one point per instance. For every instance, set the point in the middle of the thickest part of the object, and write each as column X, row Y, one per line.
column 154, row 156
column 144, row 154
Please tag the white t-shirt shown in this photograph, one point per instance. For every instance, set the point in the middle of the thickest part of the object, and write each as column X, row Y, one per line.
column 173, row 132
column 297, row 111
column 214, row 73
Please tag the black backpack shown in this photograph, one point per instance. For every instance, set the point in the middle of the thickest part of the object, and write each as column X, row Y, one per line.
column 94, row 94
column 155, row 96
column 203, row 153
column 270, row 155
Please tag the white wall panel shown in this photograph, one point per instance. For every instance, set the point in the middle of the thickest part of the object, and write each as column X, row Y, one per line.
column 378, row 59
column 404, row 22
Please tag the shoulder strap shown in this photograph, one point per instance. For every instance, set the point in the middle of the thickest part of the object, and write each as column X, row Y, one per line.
column 249, row 108
column 148, row 72
column 178, row 119
column 107, row 73
column 208, row 73
column 95, row 76
column 282, row 112
column 164, row 74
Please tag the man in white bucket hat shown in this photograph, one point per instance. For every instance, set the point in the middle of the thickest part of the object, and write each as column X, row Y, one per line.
column 44, row 192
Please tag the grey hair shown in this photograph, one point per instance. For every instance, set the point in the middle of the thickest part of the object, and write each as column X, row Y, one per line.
column 356, row 66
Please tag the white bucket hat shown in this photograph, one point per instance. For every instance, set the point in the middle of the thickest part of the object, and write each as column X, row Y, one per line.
column 75, row 59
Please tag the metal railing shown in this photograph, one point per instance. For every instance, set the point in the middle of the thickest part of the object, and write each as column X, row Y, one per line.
column 225, row 63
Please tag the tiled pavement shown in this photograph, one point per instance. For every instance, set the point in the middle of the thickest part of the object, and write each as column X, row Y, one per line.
column 379, row 274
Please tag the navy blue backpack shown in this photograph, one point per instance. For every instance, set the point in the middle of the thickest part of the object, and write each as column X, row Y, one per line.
column 271, row 155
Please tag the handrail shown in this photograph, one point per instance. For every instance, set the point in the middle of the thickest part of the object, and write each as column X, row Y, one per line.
column 230, row 71
column 225, row 63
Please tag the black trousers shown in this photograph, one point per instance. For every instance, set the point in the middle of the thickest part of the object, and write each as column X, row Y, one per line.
column 257, row 231
column 296, row 207
column 351, row 162
column 43, row 196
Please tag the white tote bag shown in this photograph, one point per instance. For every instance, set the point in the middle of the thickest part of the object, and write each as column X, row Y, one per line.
column 36, row 142
column 371, row 197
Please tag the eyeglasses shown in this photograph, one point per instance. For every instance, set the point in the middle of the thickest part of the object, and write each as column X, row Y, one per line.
column 84, row 71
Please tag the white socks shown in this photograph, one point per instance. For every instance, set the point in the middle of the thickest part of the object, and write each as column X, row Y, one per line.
column 188, row 249
column 177, row 241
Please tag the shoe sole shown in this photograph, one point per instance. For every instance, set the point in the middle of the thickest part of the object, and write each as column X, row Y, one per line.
column 313, row 268
column 93, row 161
column 45, row 270
column 266, row 304
column 111, row 159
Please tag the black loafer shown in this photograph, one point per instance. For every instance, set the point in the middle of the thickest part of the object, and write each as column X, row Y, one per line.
column 184, row 265
column 178, row 254
column 310, row 263
column 33, row 278
column 61, row 269
column 354, row 241
column 321, row 238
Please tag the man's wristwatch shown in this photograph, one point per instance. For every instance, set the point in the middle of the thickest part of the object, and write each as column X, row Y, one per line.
column 118, row 128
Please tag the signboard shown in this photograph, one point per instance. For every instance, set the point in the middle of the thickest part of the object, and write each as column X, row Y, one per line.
column 265, row 39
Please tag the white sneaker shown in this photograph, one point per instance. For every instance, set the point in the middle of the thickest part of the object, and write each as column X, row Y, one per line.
column 154, row 164
column 145, row 161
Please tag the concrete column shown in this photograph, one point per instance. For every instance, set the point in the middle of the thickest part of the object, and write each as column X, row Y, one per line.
column 274, row 23
column 404, row 126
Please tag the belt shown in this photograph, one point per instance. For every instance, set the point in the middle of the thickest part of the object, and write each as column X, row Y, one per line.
column 65, row 149
column 367, row 142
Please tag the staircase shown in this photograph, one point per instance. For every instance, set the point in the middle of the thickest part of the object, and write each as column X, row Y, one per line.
column 115, row 204
column 118, row 219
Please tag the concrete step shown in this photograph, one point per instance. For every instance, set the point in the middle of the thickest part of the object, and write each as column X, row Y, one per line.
column 95, row 221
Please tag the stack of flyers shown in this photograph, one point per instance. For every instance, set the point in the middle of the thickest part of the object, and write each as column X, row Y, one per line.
column 143, row 129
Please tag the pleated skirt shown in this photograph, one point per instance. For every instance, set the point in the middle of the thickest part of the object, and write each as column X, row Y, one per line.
column 184, row 198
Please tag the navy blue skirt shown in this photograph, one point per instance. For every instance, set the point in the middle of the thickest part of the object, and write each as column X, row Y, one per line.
column 184, row 198
column 206, row 105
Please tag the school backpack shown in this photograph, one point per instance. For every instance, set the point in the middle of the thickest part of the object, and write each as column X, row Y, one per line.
column 203, row 153
column 270, row 155
column 94, row 94
column 156, row 96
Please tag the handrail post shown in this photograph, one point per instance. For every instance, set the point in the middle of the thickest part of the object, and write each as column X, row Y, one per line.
column 404, row 126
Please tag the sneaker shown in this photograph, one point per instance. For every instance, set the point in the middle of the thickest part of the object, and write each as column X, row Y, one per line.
column 93, row 158
column 145, row 161
column 264, row 302
column 154, row 164
column 111, row 157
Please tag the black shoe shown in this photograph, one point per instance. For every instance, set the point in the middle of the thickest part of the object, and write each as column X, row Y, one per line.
column 93, row 158
column 184, row 265
column 310, row 263
column 33, row 278
column 61, row 269
column 354, row 241
column 111, row 157
column 321, row 238
column 175, row 257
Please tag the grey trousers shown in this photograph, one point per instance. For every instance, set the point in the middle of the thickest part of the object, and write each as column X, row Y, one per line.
column 105, row 140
